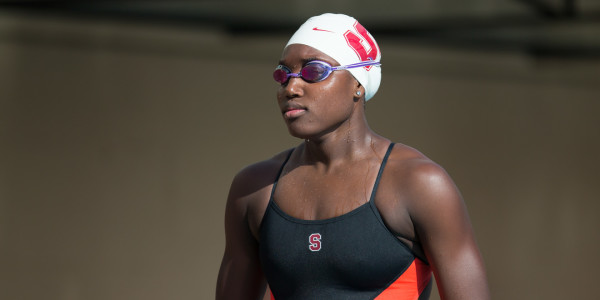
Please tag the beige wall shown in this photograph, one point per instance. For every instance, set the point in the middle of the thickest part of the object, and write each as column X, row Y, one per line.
column 118, row 142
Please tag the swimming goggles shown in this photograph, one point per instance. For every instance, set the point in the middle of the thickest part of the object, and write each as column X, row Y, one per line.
column 315, row 71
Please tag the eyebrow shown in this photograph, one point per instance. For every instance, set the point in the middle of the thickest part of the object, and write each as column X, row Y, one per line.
column 304, row 60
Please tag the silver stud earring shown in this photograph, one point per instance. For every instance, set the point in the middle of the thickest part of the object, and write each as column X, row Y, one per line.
column 358, row 93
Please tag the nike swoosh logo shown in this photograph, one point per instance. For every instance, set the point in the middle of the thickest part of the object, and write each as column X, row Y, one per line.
column 319, row 29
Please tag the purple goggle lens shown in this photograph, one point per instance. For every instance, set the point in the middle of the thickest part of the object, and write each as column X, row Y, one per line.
column 315, row 71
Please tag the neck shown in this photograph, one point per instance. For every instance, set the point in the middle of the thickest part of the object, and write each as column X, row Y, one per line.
column 351, row 141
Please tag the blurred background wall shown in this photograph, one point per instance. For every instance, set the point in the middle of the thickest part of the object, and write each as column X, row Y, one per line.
column 122, row 126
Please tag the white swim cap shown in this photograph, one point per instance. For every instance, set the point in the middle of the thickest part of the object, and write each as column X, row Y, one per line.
column 344, row 39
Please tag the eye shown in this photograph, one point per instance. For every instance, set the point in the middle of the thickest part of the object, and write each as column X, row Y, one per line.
column 314, row 72
column 281, row 74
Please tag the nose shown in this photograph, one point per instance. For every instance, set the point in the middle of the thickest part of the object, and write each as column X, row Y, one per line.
column 294, row 87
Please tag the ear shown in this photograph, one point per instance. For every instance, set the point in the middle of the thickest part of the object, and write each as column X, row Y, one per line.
column 359, row 92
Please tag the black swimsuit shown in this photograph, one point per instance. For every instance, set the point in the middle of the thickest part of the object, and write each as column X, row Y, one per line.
column 352, row 256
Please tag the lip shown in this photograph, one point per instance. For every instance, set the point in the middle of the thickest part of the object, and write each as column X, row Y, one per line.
column 293, row 111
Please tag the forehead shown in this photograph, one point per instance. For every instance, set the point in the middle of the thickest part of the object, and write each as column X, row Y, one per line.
column 299, row 53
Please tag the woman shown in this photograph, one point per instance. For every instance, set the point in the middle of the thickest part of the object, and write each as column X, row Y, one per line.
column 347, row 214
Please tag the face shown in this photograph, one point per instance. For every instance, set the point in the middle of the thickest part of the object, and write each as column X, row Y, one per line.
column 312, row 110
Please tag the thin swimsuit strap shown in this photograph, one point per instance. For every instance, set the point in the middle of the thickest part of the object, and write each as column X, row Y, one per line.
column 383, row 162
column 376, row 210
column 279, row 173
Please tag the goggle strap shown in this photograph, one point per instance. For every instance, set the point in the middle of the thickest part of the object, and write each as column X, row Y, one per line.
column 357, row 65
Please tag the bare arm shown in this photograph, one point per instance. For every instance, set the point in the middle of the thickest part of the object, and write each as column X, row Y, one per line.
column 240, row 275
column 442, row 224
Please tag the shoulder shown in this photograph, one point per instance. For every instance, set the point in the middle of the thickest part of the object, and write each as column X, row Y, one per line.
column 251, row 189
column 257, row 175
column 422, row 199
column 411, row 164
column 421, row 181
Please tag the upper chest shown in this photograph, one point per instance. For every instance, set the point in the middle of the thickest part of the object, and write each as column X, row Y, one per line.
column 305, row 194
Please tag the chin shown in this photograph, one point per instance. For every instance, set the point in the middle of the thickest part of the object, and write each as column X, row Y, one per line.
column 306, row 133
column 301, row 132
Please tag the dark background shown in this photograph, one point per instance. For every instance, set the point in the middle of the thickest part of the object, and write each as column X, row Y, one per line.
column 121, row 127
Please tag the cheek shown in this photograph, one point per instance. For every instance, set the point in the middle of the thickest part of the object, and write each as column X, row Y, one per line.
column 331, row 106
column 337, row 93
column 280, row 94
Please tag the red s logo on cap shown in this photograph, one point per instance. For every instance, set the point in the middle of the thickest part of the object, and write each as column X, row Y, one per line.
column 360, row 43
